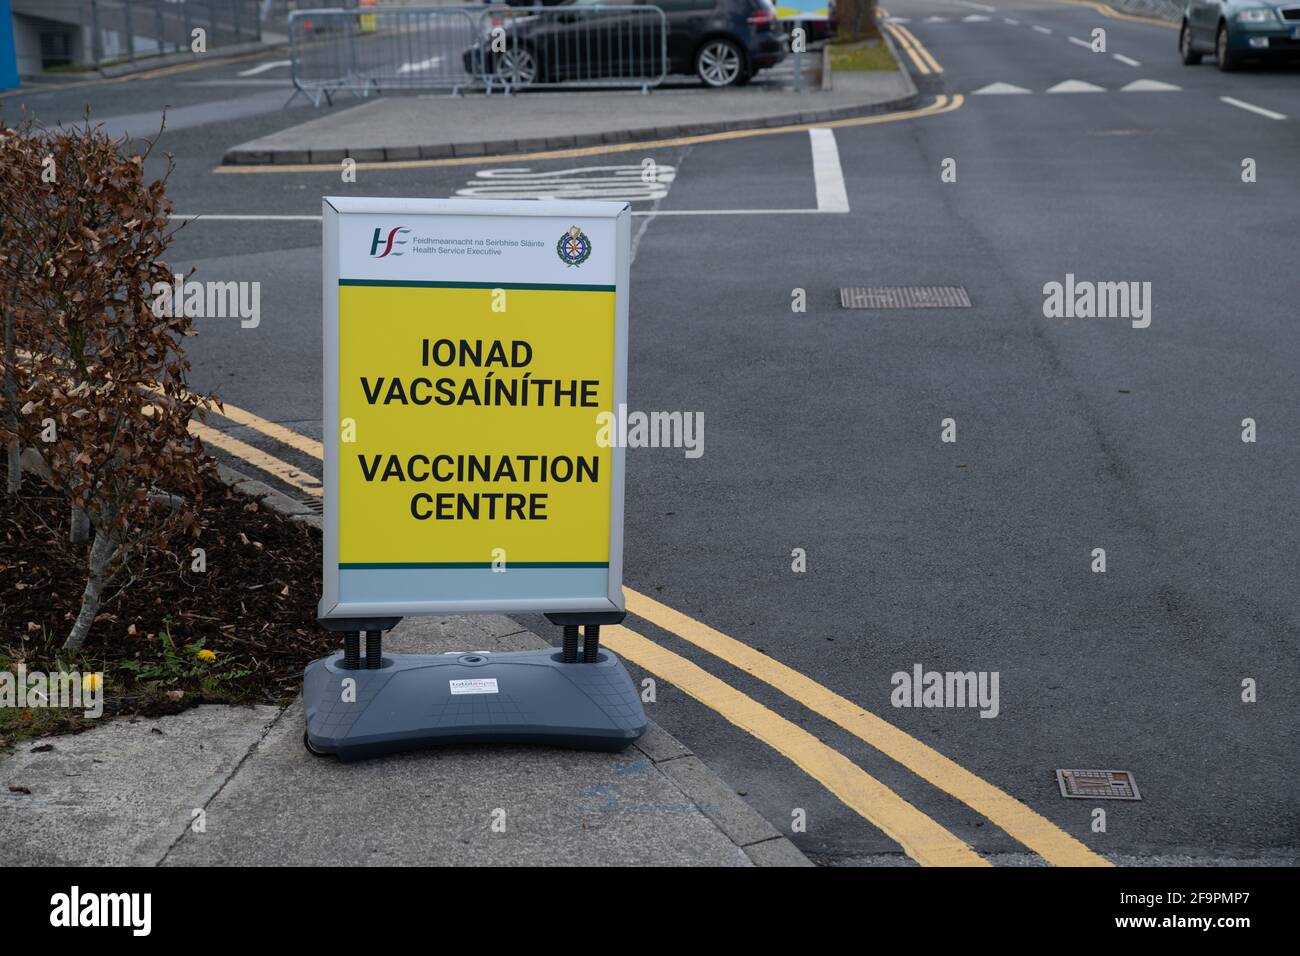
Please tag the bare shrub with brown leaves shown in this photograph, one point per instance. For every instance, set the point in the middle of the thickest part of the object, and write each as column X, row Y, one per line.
column 94, row 378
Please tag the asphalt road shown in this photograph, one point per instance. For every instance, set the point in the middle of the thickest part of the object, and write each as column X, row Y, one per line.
column 823, row 428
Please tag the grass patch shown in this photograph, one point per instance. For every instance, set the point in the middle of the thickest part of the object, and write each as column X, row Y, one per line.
column 861, row 57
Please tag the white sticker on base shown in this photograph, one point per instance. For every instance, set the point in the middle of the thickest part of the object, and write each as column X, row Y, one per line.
column 474, row 685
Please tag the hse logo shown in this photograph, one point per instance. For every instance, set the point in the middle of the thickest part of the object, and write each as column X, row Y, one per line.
column 389, row 242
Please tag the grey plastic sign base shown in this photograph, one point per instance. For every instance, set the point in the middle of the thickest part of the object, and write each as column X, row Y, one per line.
column 423, row 700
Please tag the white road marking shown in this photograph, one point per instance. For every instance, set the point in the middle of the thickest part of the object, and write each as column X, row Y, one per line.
column 1252, row 108
column 735, row 212
column 1083, row 43
column 635, row 212
column 1014, row 23
column 998, row 88
column 974, row 18
column 1127, row 61
column 1149, row 86
column 1042, row 29
column 935, row 20
column 263, row 67
column 419, row 67
column 632, row 183
column 897, row 20
column 1076, row 86
column 827, row 174
column 223, row 218
column 978, row 6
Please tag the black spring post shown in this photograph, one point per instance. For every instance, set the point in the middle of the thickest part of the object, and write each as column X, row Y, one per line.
column 570, row 655
column 374, row 649
column 590, row 643
column 351, row 650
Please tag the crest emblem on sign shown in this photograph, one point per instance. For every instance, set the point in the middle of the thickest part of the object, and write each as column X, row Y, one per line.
column 574, row 247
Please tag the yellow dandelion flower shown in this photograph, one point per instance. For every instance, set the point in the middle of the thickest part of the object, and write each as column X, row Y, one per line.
column 207, row 656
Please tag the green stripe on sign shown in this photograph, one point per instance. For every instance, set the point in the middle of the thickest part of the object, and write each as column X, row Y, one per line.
column 419, row 284
column 441, row 565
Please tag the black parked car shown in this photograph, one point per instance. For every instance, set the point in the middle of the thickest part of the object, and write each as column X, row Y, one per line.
column 723, row 42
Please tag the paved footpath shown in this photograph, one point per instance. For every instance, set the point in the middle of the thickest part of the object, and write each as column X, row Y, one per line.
column 431, row 127
column 130, row 793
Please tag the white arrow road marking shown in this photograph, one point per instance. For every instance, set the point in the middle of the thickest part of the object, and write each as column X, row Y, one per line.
column 1076, row 86
column 998, row 88
column 635, row 212
column 629, row 183
column 225, row 218
column 1042, row 29
column 263, row 67
column 1149, row 86
column 1127, row 61
column 1253, row 109
column 827, row 174
column 419, row 67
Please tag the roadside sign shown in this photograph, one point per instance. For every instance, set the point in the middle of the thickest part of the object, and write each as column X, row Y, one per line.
column 801, row 10
column 470, row 350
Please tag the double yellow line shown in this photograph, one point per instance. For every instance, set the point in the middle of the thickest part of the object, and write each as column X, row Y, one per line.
column 920, row 837
column 921, row 58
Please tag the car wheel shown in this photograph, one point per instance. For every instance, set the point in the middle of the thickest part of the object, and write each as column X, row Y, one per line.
column 720, row 63
column 1190, row 56
column 516, row 67
column 1227, row 59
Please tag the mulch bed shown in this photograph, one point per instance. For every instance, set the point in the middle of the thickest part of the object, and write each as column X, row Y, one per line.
column 254, row 607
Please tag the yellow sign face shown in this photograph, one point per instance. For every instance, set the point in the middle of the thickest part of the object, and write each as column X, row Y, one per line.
column 470, row 427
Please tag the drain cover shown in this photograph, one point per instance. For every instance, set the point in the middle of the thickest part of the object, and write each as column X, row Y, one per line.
column 1098, row 784
column 905, row 297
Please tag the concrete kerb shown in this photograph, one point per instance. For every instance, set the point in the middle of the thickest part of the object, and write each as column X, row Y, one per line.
column 747, row 829
column 893, row 50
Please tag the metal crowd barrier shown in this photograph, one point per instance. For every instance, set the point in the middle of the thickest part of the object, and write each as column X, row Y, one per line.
column 581, row 44
column 376, row 49
column 497, row 48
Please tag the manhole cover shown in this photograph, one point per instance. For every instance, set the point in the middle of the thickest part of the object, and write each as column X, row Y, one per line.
column 1098, row 784
column 905, row 297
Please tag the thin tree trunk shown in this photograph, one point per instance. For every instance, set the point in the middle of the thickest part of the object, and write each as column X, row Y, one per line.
column 14, row 470
column 79, row 532
column 855, row 20
column 101, row 553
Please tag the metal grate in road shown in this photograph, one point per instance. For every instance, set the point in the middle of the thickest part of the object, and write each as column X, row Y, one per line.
column 1098, row 784
column 905, row 297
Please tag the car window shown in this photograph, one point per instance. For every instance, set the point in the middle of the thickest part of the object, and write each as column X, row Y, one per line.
column 682, row 6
